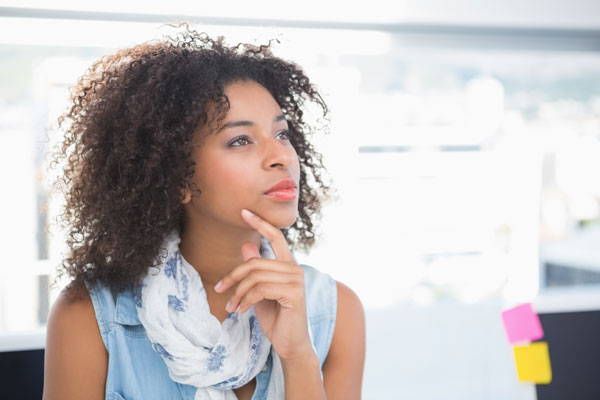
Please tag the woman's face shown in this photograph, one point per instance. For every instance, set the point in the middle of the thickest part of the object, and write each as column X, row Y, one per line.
column 249, row 154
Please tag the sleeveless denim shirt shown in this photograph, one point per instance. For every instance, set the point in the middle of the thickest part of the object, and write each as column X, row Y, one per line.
column 136, row 371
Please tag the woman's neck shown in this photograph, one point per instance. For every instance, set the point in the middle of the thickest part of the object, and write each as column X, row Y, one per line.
column 215, row 250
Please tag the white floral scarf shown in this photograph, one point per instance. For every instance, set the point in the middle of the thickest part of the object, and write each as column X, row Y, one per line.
column 197, row 349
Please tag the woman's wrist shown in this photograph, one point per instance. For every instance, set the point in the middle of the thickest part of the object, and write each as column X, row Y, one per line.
column 302, row 377
column 305, row 360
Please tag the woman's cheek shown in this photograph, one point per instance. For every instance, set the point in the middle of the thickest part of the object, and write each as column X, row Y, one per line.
column 237, row 180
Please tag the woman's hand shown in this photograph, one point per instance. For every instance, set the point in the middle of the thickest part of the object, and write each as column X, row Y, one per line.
column 275, row 288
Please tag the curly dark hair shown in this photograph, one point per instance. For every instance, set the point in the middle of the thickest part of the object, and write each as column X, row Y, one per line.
column 127, row 148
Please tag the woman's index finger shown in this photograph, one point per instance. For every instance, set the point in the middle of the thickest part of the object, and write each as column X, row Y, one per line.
column 272, row 234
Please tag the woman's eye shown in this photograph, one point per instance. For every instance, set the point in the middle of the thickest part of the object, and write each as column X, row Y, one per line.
column 286, row 133
column 241, row 140
column 237, row 140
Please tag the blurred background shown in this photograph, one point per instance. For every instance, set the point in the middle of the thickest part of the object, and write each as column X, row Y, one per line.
column 464, row 144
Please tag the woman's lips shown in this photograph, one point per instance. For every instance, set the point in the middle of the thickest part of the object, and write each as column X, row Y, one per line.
column 283, row 184
column 283, row 194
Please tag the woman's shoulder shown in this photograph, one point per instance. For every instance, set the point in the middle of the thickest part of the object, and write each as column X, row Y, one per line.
column 75, row 357
column 337, row 313
column 72, row 307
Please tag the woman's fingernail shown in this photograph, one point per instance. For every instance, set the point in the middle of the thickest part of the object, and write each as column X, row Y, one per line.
column 218, row 285
column 247, row 213
column 227, row 306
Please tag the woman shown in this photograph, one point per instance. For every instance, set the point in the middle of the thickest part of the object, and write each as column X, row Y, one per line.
column 187, row 172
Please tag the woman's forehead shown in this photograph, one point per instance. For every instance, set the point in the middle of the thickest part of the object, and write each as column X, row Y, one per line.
column 249, row 104
column 250, row 99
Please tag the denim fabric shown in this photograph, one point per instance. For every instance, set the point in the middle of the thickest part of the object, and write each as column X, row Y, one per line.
column 136, row 371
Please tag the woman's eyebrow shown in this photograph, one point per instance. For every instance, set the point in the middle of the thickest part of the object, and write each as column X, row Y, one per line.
column 233, row 124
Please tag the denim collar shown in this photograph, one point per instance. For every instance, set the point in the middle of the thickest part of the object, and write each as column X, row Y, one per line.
column 126, row 313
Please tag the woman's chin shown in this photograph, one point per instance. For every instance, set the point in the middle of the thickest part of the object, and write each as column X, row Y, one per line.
column 281, row 220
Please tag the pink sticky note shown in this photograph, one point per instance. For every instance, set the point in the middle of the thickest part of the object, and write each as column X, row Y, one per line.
column 522, row 324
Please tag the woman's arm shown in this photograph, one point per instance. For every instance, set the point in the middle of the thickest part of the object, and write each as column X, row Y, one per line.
column 343, row 367
column 76, row 360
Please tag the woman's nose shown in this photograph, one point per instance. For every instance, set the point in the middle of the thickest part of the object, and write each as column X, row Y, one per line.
column 278, row 153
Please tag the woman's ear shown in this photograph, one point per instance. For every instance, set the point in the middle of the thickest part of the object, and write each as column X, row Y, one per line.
column 186, row 195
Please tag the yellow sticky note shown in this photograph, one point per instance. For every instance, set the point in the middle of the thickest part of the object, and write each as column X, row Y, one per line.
column 533, row 362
